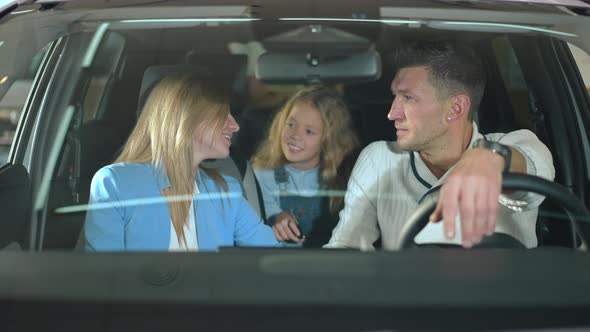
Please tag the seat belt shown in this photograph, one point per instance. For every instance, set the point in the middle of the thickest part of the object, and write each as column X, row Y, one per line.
column 249, row 183
column 252, row 190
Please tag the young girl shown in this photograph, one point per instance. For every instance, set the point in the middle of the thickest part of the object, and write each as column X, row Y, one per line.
column 304, row 161
column 157, row 196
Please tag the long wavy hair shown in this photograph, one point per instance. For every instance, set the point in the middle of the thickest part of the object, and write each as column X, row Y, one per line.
column 339, row 138
column 164, row 135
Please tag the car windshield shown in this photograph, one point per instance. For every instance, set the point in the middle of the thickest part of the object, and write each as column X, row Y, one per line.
column 300, row 129
column 308, row 94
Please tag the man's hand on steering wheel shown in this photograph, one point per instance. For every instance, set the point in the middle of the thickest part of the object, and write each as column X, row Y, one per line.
column 472, row 187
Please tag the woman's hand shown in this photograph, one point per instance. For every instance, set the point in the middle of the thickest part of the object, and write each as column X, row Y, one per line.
column 285, row 228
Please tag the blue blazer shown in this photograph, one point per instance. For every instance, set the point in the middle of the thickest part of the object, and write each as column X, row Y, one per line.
column 127, row 212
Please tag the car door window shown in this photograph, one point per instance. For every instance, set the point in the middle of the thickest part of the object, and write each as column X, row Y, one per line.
column 583, row 61
column 14, row 90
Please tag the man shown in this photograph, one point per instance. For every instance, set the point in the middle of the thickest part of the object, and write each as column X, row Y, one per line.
column 437, row 90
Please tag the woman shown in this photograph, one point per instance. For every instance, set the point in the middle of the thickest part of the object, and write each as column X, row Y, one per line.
column 310, row 148
column 156, row 196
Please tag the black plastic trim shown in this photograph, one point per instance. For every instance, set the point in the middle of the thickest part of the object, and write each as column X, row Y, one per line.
column 8, row 10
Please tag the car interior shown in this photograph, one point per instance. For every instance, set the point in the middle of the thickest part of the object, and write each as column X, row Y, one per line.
column 130, row 61
column 83, row 70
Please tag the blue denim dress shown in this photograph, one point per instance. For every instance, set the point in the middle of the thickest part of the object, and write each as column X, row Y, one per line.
column 310, row 211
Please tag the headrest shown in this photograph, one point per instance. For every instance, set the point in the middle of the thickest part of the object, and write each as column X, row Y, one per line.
column 225, row 67
column 153, row 75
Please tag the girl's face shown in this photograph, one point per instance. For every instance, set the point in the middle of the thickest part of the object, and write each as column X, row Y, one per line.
column 220, row 144
column 302, row 135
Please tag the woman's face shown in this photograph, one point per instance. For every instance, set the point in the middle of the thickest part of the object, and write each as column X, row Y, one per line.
column 218, row 146
column 302, row 136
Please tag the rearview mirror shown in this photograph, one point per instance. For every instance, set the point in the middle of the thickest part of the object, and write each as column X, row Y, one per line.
column 309, row 68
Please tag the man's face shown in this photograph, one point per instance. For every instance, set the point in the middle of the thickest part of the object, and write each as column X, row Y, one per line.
column 418, row 114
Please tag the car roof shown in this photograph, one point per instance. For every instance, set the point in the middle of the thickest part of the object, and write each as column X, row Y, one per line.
column 440, row 3
column 332, row 8
column 565, row 19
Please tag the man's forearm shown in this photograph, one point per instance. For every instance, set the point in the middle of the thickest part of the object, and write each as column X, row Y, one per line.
column 518, row 162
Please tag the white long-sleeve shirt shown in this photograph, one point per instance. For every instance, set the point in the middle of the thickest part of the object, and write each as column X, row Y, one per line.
column 387, row 183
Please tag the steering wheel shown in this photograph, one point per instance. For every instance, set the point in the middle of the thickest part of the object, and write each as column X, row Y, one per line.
column 574, row 208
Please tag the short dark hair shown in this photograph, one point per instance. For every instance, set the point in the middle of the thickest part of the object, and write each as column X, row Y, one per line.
column 454, row 68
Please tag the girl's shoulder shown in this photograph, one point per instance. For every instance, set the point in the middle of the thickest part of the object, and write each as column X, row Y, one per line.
column 127, row 180
column 207, row 183
column 216, row 192
column 266, row 179
column 263, row 174
column 126, row 171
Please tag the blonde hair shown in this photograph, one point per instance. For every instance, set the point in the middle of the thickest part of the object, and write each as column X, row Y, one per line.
column 164, row 134
column 338, row 139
